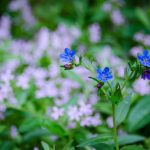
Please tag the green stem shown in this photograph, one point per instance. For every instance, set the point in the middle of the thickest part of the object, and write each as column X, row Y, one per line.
column 115, row 127
column 125, row 82
column 109, row 86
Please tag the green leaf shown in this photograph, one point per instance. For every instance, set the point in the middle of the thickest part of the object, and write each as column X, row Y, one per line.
column 45, row 146
column 6, row 145
column 29, row 124
column 122, row 110
column 116, row 95
column 127, row 139
column 103, row 146
column 96, row 140
column 140, row 115
column 108, row 139
column 142, row 16
column 33, row 123
column 67, row 145
column 94, row 79
column 54, row 127
column 132, row 147
column 104, row 107
column 35, row 134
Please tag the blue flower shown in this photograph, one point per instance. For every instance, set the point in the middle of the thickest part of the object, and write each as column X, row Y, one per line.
column 68, row 56
column 104, row 75
column 144, row 59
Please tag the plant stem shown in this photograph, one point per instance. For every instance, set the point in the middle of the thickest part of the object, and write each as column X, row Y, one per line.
column 109, row 86
column 125, row 82
column 115, row 127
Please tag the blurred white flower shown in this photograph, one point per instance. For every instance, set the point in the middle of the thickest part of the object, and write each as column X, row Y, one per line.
column 71, row 125
column 42, row 40
column 141, row 86
column 24, row 7
column 107, row 7
column 56, row 113
column 5, row 25
column 139, row 37
column 23, row 81
column 121, row 70
column 13, row 131
column 2, row 107
column 35, row 148
column 109, row 122
column 136, row 50
column 95, row 33
column 147, row 40
column 2, row 116
column 85, row 109
column 91, row 121
column 117, row 18
column 73, row 113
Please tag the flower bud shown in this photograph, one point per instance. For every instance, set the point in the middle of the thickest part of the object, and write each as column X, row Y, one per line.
column 68, row 66
column 146, row 74
column 99, row 85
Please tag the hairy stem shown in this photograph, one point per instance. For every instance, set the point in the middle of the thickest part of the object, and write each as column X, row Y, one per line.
column 115, row 127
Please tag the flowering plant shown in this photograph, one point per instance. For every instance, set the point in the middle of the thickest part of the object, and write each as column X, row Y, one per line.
column 115, row 94
column 98, row 98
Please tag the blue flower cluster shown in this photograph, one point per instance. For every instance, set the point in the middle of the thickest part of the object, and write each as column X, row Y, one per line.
column 144, row 59
column 68, row 56
column 104, row 75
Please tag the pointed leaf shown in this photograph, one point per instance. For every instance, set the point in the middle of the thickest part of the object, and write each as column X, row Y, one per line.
column 122, row 110
column 140, row 114
column 45, row 145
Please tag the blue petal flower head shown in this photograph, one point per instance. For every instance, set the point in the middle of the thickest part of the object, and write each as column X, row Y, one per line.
column 144, row 59
column 68, row 56
column 104, row 75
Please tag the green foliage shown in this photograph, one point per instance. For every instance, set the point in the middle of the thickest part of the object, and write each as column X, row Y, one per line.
column 126, row 139
column 139, row 115
column 34, row 128
column 45, row 145
column 116, row 95
column 122, row 109
column 142, row 16
column 95, row 141
column 132, row 147
column 107, row 141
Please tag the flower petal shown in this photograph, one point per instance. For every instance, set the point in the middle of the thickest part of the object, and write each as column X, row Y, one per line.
column 67, row 51
column 106, row 70
column 145, row 52
column 140, row 57
column 72, row 53
column 99, row 71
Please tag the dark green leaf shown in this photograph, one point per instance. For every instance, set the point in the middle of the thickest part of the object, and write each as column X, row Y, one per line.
column 132, row 147
column 127, row 139
column 140, row 114
column 142, row 16
column 53, row 127
column 95, row 141
column 122, row 110
column 45, row 146
column 35, row 134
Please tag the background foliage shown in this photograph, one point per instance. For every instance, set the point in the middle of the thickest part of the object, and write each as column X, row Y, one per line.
column 37, row 96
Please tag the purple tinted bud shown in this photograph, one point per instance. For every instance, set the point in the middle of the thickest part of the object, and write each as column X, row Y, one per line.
column 146, row 74
column 68, row 66
column 99, row 85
